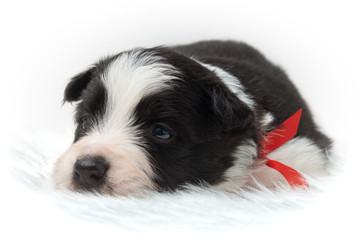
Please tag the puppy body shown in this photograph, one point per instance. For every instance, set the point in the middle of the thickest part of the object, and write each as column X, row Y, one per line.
column 160, row 118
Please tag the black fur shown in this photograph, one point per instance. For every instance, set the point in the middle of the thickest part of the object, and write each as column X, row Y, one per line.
column 268, row 84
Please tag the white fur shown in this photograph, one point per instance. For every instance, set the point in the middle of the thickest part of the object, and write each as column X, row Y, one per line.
column 265, row 121
column 299, row 153
column 233, row 83
column 237, row 175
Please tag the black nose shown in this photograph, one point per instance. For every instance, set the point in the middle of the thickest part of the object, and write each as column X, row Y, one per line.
column 90, row 171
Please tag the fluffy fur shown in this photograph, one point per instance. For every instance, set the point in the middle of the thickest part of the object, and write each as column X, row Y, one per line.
column 165, row 117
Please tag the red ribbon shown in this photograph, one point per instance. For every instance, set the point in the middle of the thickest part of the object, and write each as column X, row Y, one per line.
column 276, row 138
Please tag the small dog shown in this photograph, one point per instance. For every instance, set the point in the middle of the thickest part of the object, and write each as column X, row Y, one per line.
column 161, row 118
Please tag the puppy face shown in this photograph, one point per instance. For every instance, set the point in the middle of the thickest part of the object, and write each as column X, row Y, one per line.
column 152, row 119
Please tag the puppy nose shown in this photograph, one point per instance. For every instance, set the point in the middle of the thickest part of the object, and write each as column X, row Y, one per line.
column 90, row 171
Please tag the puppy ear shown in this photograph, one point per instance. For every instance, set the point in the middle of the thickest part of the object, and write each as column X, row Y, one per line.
column 77, row 84
column 232, row 113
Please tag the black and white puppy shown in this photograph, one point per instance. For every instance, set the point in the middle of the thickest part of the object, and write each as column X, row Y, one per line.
column 160, row 118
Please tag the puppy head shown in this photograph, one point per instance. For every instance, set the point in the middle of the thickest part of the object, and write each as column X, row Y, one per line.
column 151, row 119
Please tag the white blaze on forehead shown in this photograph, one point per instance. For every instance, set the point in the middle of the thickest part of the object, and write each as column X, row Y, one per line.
column 127, row 79
column 130, row 77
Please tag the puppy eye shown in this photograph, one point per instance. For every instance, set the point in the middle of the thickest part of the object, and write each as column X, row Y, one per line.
column 85, row 122
column 161, row 132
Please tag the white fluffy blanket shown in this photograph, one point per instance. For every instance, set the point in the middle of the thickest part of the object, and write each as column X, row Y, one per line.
column 326, row 210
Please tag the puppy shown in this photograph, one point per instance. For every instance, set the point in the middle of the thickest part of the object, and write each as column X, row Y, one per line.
column 161, row 118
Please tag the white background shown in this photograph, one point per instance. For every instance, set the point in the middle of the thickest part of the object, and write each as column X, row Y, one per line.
column 44, row 43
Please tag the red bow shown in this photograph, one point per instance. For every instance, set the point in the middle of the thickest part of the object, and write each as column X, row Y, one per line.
column 277, row 138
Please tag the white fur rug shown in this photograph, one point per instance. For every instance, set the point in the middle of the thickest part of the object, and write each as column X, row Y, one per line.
column 326, row 210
